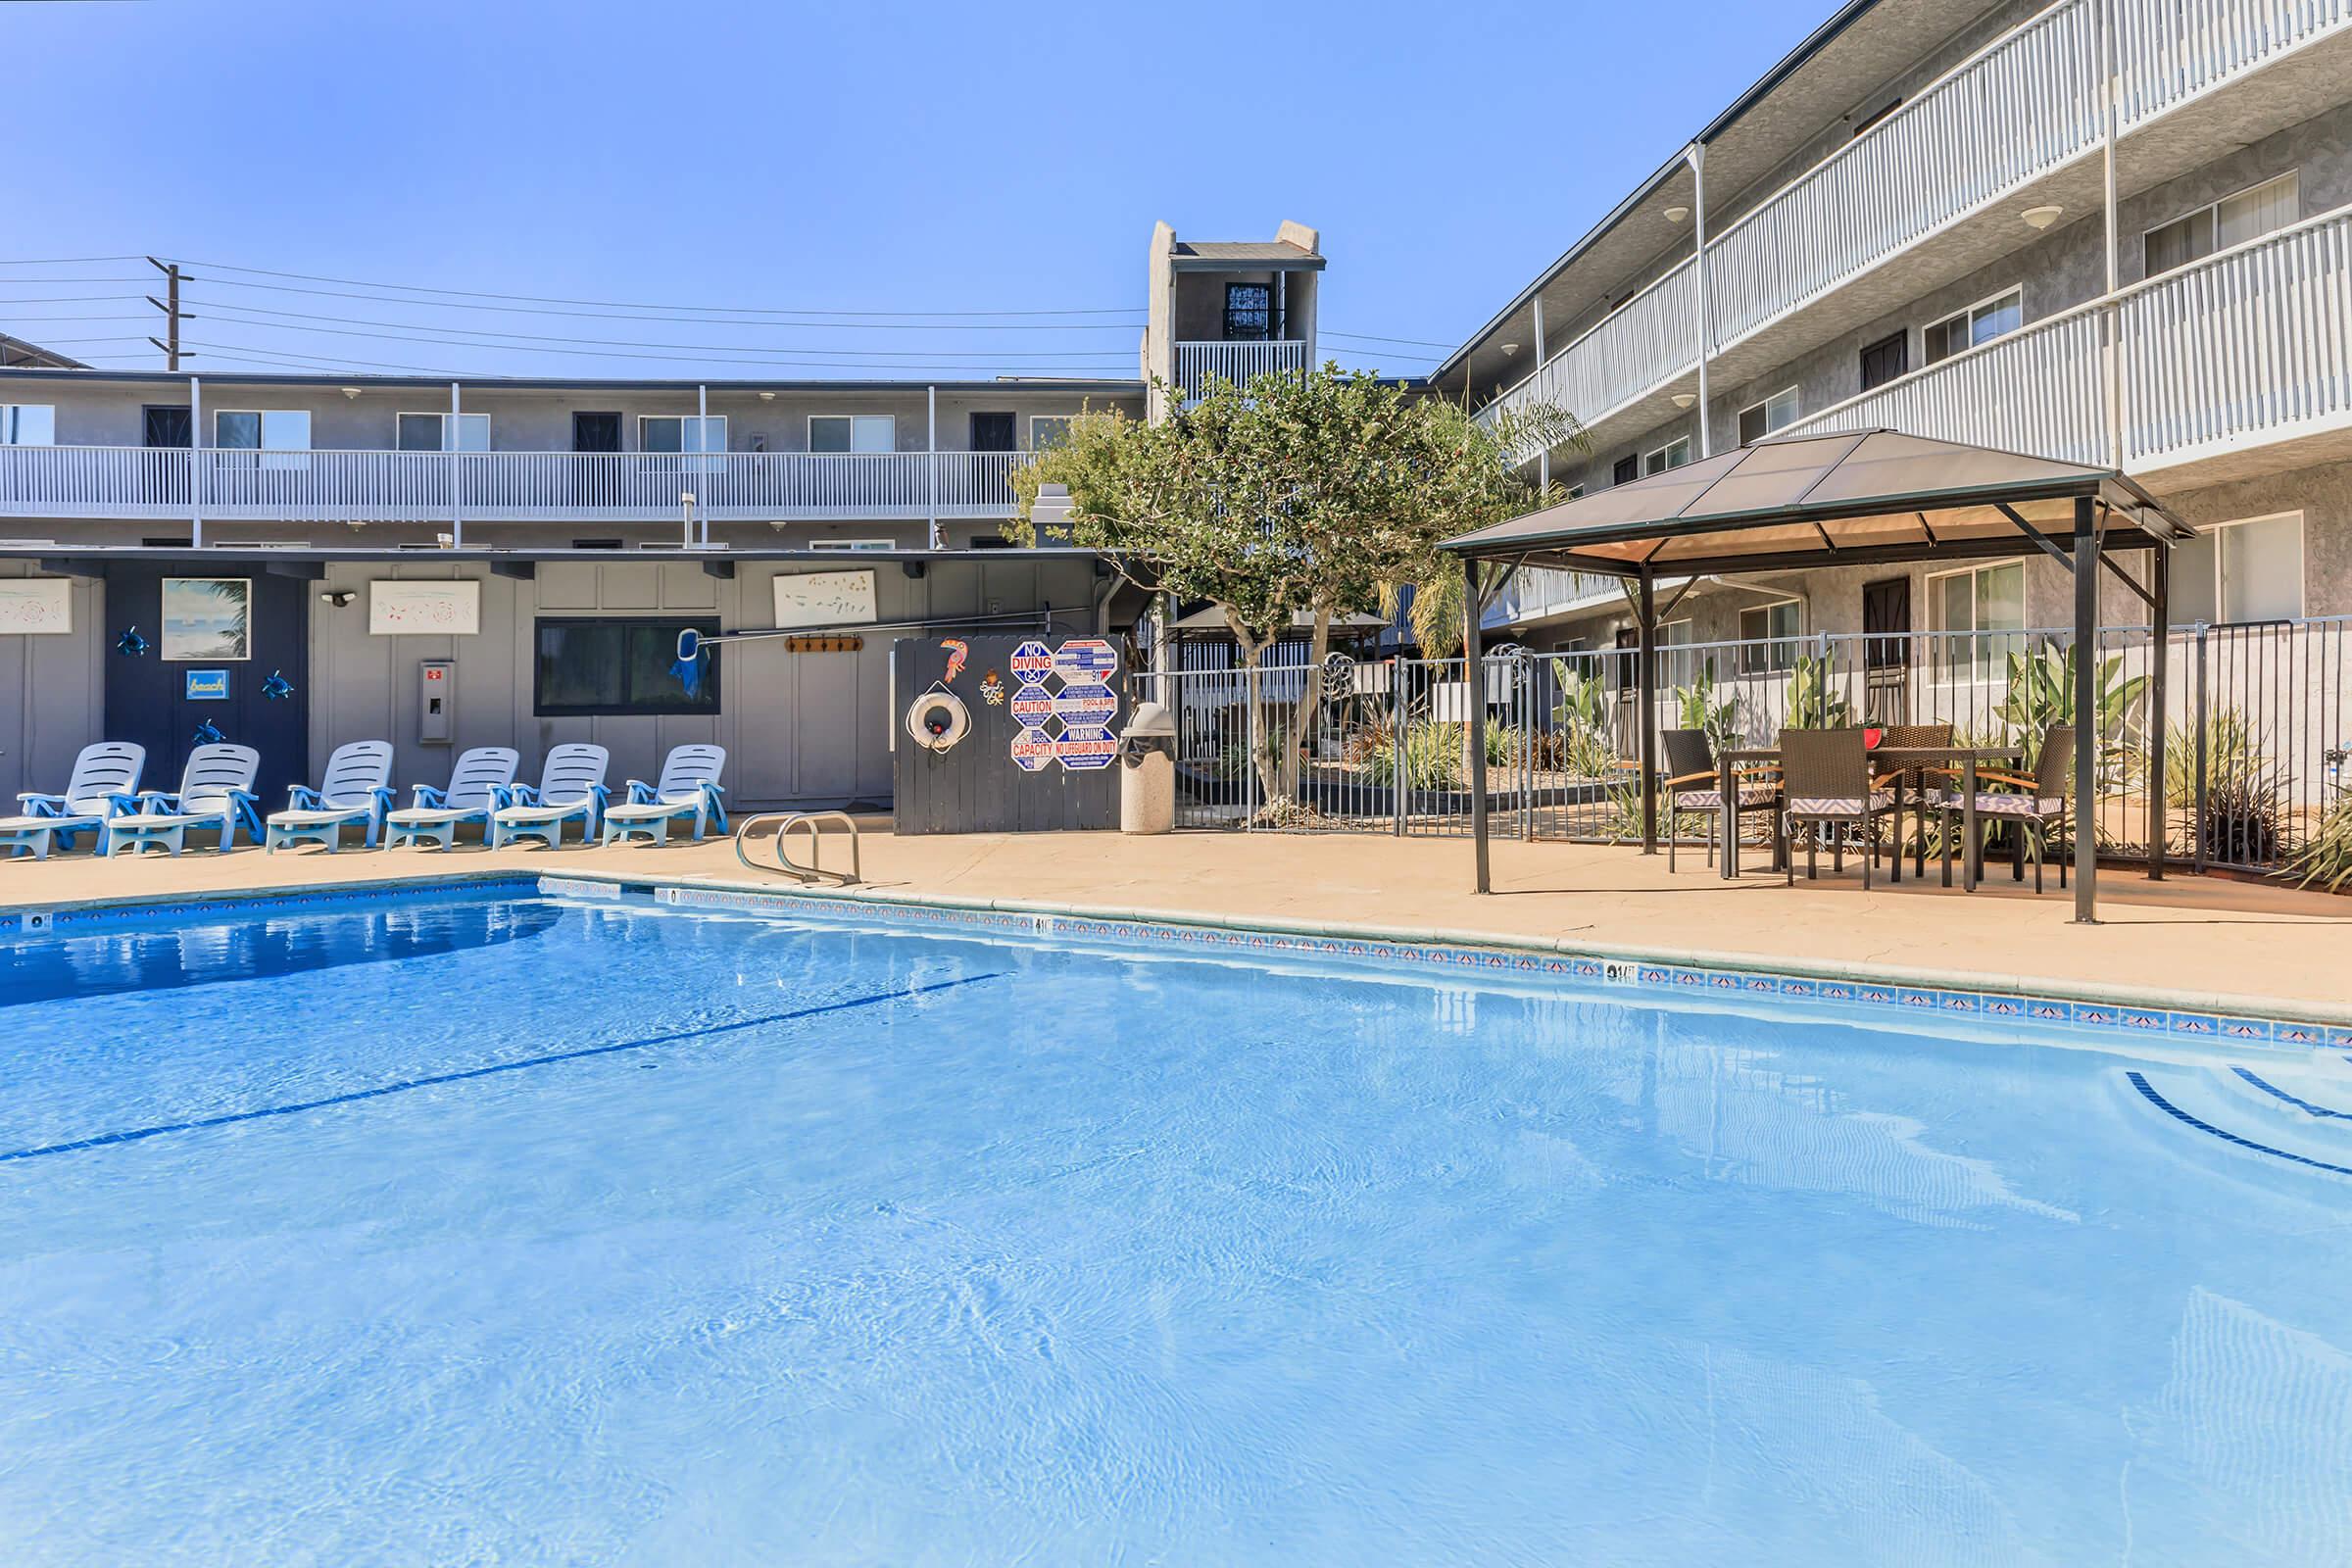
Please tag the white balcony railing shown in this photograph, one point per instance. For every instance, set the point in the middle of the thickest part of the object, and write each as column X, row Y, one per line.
column 1544, row 590
column 348, row 486
column 2021, row 108
column 2250, row 345
column 1198, row 363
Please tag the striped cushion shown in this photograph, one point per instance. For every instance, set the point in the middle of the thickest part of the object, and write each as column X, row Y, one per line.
column 2005, row 804
column 1757, row 795
column 1839, row 805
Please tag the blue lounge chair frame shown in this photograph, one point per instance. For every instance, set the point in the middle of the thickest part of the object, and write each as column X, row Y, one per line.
column 688, row 787
column 356, row 791
column 434, row 816
column 572, row 786
column 215, row 791
column 103, row 775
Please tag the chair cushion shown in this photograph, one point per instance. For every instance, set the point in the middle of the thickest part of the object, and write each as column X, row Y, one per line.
column 649, row 812
column 430, row 816
column 2009, row 805
column 1755, row 795
column 1839, row 805
column 332, row 815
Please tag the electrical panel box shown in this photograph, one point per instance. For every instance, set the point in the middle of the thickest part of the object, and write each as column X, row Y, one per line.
column 437, row 700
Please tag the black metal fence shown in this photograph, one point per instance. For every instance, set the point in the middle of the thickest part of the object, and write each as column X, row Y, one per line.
column 2260, row 717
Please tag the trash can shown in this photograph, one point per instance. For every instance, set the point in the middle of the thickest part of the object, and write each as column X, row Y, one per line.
column 1147, row 771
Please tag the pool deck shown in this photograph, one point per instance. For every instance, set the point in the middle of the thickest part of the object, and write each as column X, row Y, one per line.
column 2187, row 942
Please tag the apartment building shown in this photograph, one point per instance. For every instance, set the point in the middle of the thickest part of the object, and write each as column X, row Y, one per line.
column 2116, row 231
column 573, row 527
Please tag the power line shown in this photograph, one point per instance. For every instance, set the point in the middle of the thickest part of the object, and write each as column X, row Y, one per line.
column 1134, row 324
column 247, row 312
column 1368, row 337
column 632, row 304
column 68, row 261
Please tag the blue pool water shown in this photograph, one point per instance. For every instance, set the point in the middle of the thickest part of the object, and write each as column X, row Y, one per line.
column 524, row 1231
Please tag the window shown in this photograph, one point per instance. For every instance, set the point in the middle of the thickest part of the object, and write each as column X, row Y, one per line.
column 1248, row 313
column 1049, row 430
column 681, row 432
column 1673, row 455
column 597, row 667
column 431, row 432
column 263, row 430
column 852, row 433
column 28, row 424
column 1981, row 614
column 2240, row 572
column 853, row 544
column 1885, row 359
column 1980, row 323
column 1768, row 636
column 1627, row 470
column 1761, row 419
column 2252, row 212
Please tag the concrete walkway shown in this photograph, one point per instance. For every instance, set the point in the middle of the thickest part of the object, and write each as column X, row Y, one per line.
column 2188, row 942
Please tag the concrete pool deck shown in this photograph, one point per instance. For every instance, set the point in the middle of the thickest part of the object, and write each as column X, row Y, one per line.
column 2187, row 942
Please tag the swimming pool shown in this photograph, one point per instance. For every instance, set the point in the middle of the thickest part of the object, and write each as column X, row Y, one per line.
column 541, row 1228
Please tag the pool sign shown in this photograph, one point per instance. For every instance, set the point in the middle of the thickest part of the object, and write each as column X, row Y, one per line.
column 1032, row 748
column 1065, row 704
column 1086, row 748
column 1084, row 658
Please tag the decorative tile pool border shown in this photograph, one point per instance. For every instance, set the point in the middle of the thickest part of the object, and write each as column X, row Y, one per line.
column 1562, row 963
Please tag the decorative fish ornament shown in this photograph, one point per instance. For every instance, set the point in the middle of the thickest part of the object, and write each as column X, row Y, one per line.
column 130, row 642
column 278, row 688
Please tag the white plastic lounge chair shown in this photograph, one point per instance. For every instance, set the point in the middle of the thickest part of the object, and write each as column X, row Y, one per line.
column 571, row 785
column 105, row 781
column 215, row 791
column 689, row 787
column 434, row 816
column 356, row 791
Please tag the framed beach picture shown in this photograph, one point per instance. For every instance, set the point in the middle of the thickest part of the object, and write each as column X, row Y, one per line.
column 207, row 619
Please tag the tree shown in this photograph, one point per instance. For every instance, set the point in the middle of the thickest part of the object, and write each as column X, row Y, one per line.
column 1293, row 496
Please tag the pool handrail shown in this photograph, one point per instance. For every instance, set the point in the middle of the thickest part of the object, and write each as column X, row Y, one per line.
column 813, row 822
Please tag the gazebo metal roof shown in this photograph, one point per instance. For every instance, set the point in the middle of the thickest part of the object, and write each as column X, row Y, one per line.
column 1850, row 498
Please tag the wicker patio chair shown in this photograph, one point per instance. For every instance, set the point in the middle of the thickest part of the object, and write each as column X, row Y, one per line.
column 1913, row 781
column 2035, row 804
column 1694, row 784
column 1826, row 781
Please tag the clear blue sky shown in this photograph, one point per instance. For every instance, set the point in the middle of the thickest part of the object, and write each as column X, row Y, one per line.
column 839, row 157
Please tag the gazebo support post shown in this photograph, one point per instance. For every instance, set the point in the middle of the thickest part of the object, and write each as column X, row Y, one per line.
column 1474, row 700
column 1646, row 652
column 2086, row 717
column 2160, row 589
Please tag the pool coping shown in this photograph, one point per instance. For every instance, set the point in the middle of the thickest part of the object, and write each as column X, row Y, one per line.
column 2087, row 1003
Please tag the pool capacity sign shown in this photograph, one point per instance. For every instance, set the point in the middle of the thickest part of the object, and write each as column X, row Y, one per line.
column 1065, row 704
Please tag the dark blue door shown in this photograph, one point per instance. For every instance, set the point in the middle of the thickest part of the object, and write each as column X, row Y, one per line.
column 148, row 701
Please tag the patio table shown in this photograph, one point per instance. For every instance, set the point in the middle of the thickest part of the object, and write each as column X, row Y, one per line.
column 1969, row 757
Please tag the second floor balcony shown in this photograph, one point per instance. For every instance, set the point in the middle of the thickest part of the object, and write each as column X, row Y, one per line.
column 365, row 486
column 1929, row 192
column 1197, row 363
column 2228, row 367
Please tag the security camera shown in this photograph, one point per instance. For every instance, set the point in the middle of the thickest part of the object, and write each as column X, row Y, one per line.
column 337, row 596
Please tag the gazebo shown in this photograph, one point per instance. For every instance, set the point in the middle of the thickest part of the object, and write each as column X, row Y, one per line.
column 1853, row 498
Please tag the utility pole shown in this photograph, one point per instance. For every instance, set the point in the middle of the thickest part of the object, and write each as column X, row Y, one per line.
column 170, row 306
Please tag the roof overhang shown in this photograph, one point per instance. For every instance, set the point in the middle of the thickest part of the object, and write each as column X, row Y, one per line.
column 994, row 386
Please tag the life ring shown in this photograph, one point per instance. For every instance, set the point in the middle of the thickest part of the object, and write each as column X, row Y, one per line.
column 937, row 719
